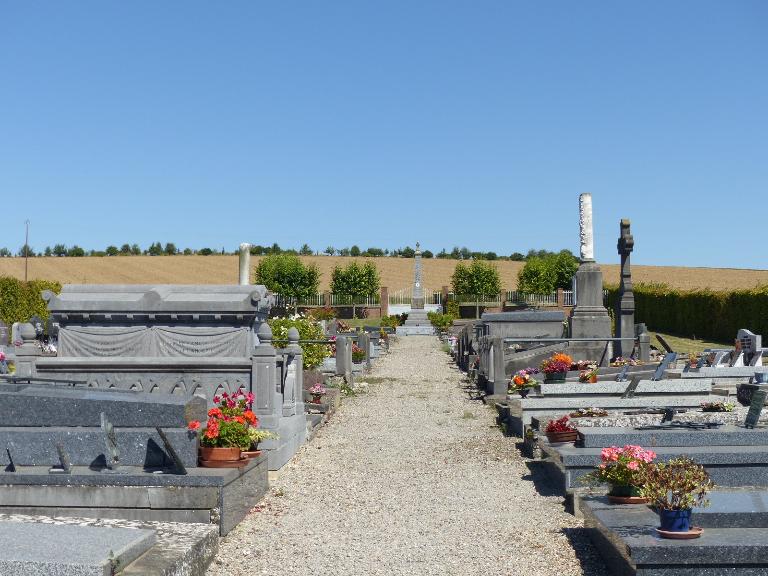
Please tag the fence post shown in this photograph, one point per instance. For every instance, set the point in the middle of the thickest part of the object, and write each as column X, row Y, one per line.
column 384, row 303
column 327, row 299
column 561, row 298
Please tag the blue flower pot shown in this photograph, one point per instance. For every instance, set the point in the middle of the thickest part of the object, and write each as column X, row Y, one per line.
column 675, row 520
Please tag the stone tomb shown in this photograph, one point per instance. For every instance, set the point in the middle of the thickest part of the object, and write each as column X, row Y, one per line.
column 734, row 541
column 732, row 455
column 59, row 459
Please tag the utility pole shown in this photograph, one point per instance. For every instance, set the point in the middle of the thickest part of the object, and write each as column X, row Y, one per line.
column 26, row 251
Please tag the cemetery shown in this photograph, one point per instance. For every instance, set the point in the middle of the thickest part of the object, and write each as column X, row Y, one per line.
column 155, row 426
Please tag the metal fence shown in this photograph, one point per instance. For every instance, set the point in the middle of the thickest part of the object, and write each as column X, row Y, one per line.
column 405, row 296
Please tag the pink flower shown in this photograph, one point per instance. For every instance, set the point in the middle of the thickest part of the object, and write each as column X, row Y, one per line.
column 633, row 465
column 216, row 399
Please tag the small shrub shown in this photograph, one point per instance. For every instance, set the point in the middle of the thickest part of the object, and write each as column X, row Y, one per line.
column 440, row 321
column 391, row 321
column 324, row 313
column 308, row 330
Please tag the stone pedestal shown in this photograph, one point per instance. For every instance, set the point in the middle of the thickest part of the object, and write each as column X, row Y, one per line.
column 589, row 319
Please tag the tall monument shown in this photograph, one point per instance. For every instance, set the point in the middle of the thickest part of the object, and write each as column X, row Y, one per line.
column 589, row 318
column 417, row 297
column 625, row 307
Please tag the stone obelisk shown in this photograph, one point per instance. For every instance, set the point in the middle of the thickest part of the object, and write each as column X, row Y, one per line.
column 589, row 318
column 417, row 297
column 625, row 307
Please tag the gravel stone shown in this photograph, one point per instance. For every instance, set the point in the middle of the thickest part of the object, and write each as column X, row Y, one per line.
column 411, row 477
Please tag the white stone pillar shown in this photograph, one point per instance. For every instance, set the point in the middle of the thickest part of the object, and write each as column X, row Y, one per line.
column 586, row 232
column 245, row 264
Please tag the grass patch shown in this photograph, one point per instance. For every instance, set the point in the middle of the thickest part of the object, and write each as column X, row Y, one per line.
column 376, row 379
column 686, row 345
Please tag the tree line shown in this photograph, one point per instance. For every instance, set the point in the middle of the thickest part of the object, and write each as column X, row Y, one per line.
column 171, row 249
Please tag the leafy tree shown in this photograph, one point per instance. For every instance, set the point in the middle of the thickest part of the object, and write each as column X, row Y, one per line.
column 442, row 254
column 205, row 251
column 427, row 254
column 344, row 252
column 274, row 249
column 517, row 257
column 48, row 251
column 479, row 278
column 125, row 250
column 305, row 250
column 465, row 253
column 59, row 250
column 4, row 252
column 330, row 251
column 27, row 250
column 112, row 251
column 188, row 252
column 542, row 275
column 491, row 256
column 375, row 252
column 155, row 249
column 355, row 281
column 456, row 253
column 170, row 248
column 135, row 250
column 286, row 274
column 408, row 252
column 355, row 250
column 76, row 251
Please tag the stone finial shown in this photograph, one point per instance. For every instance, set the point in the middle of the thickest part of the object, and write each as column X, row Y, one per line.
column 245, row 264
column 264, row 333
column 27, row 333
column 293, row 336
column 586, row 232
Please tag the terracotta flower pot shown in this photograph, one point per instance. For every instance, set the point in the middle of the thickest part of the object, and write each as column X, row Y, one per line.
column 593, row 379
column 555, row 437
column 219, row 454
column 250, row 453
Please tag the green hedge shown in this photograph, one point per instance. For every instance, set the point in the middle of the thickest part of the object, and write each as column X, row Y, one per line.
column 705, row 314
column 20, row 300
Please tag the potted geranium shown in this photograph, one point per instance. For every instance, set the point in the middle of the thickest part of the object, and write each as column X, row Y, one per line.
column 675, row 488
column 560, row 430
column 623, row 469
column 225, row 434
column 317, row 391
column 522, row 381
column 556, row 367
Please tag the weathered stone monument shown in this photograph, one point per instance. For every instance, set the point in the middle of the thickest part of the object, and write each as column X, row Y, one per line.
column 417, row 322
column 625, row 306
column 589, row 318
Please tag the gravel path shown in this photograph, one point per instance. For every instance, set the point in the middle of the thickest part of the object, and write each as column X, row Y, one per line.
column 412, row 478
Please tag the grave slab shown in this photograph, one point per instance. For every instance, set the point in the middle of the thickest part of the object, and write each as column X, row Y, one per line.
column 644, row 387
column 673, row 437
column 32, row 549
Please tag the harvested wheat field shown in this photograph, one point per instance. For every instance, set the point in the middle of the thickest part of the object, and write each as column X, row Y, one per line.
column 396, row 273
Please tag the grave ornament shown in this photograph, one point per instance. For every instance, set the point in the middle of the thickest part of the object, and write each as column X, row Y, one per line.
column 113, row 453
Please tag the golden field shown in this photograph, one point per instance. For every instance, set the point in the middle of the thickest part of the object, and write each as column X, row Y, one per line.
column 396, row 273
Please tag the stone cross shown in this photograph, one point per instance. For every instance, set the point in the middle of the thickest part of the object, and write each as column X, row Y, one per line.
column 586, row 233
column 625, row 307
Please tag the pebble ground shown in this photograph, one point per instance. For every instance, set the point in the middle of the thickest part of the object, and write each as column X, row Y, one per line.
column 411, row 478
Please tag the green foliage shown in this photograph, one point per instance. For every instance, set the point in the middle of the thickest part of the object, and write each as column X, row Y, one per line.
column 544, row 274
column 355, row 280
column 452, row 307
column 286, row 274
column 20, row 300
column 704, row 314
column 441, row 321
column 324, row 313
column 679, row 484
column 391, row 321
column 308, row 330
column 476, row 279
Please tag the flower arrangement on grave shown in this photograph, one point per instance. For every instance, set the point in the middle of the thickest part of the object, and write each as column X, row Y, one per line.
column 560, row 430
column 358, row 354
column 342, row 326
column 225, row 433
column 582, row 365
column 674, row 488
column 718, row 406
column 257, row 436
column 589, row 413
column 620, row 361
column 588, row 375
column 317, row 391
column 523, row 381
column 693, row 360
column 623, row 469
column 556, row 366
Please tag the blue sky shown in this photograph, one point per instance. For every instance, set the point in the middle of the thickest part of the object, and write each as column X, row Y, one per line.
column 344, row 122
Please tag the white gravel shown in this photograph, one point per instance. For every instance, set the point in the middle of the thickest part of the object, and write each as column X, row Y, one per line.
column 411, row 478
